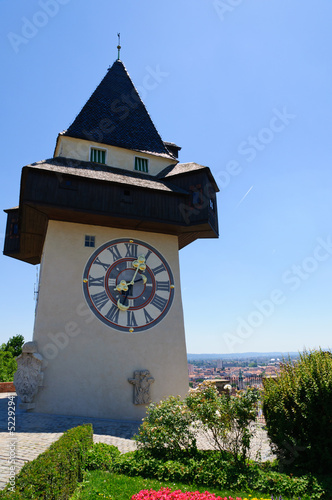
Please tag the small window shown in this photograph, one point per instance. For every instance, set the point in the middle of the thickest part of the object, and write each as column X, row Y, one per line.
column 13, row 231
column 141, row 164
column 90, row 241
column 98, row 155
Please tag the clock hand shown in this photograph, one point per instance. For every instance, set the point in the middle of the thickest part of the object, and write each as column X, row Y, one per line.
column 140, row 265
column 130, row 287
column 122, row 305
column 142, row 278
column 133, row 280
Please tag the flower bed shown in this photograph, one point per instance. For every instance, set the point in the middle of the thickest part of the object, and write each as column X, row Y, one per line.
column 168, row 494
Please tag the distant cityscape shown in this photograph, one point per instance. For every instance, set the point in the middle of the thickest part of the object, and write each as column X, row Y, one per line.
column 245, row 370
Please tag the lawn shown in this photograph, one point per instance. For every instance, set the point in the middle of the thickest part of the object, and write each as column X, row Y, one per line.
column 100, row 484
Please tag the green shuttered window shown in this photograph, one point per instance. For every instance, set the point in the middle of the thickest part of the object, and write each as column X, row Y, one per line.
column 98, row 155
column 141, row 164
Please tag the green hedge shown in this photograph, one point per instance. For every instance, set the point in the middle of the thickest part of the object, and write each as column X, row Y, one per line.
column 215, row 469
column 53, row 475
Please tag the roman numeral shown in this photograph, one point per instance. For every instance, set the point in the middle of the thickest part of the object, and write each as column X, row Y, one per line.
column 115, row 252
column 96, row 281
column 159, row 269
column 131, row 320
column 98, row 261
column 131, row 250
column 163, row 286
column 113, row 314
column 148, row 255
column 159, row 302
column 100, row 299
column 148, row 318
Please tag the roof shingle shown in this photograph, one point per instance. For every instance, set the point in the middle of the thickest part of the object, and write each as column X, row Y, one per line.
column 68, row 166
column 115, row 115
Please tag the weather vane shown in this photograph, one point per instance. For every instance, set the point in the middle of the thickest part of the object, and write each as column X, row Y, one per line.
column 119, row 47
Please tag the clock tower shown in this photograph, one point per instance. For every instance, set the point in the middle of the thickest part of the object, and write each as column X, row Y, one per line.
column 106, row 218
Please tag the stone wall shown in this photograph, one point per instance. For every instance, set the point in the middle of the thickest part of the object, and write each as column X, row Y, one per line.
column 7, row 387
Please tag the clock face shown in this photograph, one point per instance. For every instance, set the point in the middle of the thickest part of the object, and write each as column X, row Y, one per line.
column 128, row 285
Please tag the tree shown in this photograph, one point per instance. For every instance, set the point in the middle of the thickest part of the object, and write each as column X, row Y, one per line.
column 8, row 353
column 14, row 345
column 297, row 407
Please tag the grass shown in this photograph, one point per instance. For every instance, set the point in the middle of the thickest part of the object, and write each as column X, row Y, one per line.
column 98, row 484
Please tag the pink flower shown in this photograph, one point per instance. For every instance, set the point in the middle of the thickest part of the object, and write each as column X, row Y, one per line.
column 168, row 494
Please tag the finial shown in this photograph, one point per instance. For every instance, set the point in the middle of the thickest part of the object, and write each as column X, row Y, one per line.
column 119, row 47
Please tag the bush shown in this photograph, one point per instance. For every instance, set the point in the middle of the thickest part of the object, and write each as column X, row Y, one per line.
column 172, row 425
column 101, row 456
column 298, row 410
column 166, row 429
column 53, row 475
column 225, row 418
column 214, row 469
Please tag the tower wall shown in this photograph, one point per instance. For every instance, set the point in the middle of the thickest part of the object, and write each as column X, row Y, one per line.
column 79, row 149
column 87, row 364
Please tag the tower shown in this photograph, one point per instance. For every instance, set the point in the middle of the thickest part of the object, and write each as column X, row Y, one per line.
column 106, row 218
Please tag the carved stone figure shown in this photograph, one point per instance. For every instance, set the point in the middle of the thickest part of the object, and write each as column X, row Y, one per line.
column 28, row 377
column 142, row 381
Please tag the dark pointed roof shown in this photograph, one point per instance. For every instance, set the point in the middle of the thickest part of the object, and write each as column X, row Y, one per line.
column 116, row 115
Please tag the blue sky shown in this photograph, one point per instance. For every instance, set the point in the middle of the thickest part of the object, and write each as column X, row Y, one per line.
column 245, row 88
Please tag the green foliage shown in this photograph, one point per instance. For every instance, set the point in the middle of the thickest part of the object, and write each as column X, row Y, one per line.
column 8, row 366
column 53, row 475
column 172, row 425
column 14, row 345
column 101, row 456
column 8, row 353
column 226, row 418
column 166, row 429
column 298, row 410
column 215, row 469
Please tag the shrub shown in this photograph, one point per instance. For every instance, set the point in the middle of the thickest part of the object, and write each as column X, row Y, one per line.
column 53, row 475
column 214, row 469
column 225, row 418
column 298, row 410
column 172, row 425
column 166, row 429
column 101, row 456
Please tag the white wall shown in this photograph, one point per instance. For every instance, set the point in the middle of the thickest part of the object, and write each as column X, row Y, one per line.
column 79, row 149
column 87, row 364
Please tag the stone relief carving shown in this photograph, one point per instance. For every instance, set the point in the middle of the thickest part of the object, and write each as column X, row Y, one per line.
column 142, row 381
column 28, row 376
